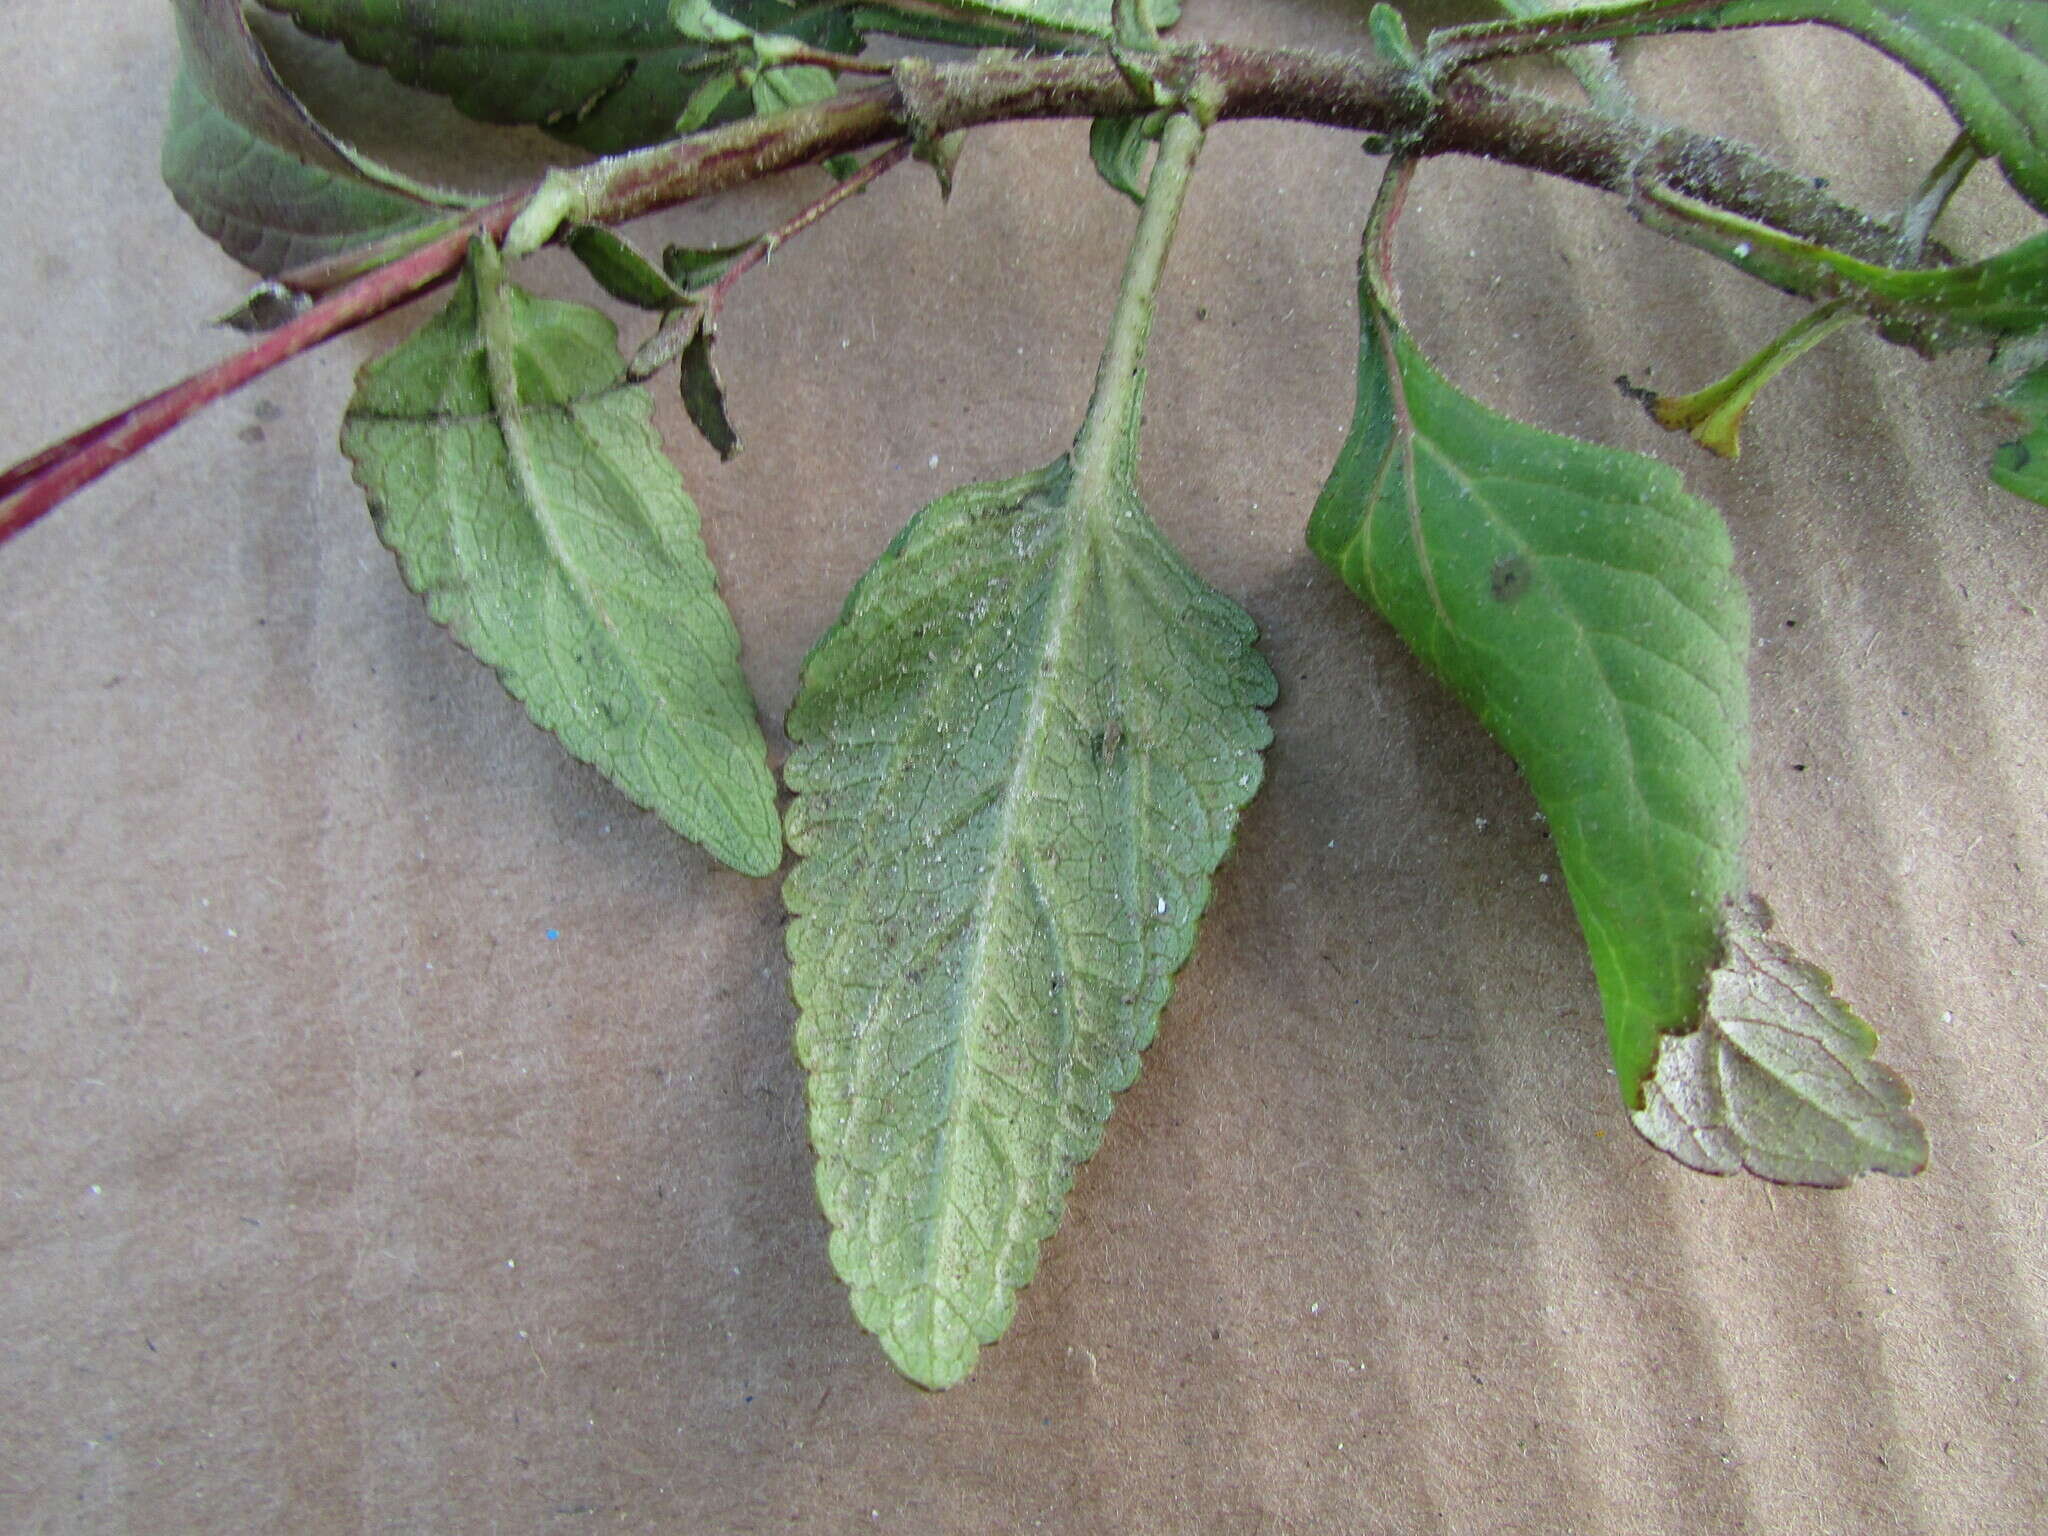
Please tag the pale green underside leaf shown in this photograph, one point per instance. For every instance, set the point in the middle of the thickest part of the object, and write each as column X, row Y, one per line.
column 2021, row 466
column 612, row 74
column 518, row 479
column 261, row 206
column 1584, row 606
column 1020, row 755
column 1987, row 59
column 1778, row 1079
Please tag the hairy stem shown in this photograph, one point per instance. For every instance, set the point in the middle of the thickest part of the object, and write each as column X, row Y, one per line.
column 1106, row 446
column 1471, row 116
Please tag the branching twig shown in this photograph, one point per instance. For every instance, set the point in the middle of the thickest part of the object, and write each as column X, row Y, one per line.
column 1472, row 116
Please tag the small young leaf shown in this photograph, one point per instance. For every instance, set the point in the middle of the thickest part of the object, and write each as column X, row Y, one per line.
column 1778, row 1078
column 516, row 476
column 2021, row 466
column 695, row 268
column 704, row 394
column 1119, row 146
column 942, row 154
column 703, row 22
column 792, row 85
column 1390, row 39
column 1713, row 416
column 708, row 101
column 622, row 271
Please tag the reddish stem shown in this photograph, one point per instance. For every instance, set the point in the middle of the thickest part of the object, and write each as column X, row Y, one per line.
column 38, row 484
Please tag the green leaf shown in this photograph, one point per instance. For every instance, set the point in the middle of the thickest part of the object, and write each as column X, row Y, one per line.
column 2021, row 466
column 1778, row 1077
column 704, row 394
column 1119, row 146
column 622, row 271
column 1088, row 17
column 1997, row 298
column 267, row 210
column 1987, row 59
column 1585, row 608
column 257, row 174
column 605, row 75
column 1020, row 754
column 695, row 268
column 792, row 85
column 515, row 474
column 701, row 21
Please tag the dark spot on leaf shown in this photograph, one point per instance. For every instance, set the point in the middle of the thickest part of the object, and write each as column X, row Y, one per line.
column 1510, row 578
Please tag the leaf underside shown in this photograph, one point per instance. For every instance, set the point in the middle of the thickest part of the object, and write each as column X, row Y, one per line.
column 1778, row 1078
column 1585, row 608
column 1020, row 755
column 517, row 477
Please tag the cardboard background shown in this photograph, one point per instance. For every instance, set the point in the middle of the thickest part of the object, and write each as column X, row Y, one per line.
column 334, row 1196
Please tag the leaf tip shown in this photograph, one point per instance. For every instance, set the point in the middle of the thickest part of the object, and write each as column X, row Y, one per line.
column 1779, row 1077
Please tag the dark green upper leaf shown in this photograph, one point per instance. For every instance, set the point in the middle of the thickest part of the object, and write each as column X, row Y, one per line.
column 603, row 74
column 256, row 173
column 264, row 208
column 514, row 472
column 1584, row 606
column 1778, row 1077
column 612, row 74
column 1020, row 754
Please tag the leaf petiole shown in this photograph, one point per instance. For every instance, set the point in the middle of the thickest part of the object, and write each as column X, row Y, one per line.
column 1713, row 416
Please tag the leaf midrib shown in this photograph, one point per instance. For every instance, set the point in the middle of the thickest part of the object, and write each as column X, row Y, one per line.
column 509, row 417
column 1077, row 550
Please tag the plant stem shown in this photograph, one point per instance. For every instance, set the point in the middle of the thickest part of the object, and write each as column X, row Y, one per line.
column 1471, row 116
column 768, row 244
column 1107, row 446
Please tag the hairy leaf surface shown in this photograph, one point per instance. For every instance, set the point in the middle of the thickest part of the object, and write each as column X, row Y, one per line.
column 1987, row 59
column 516, row 475
column 1778, row 1078
column 1021, row 753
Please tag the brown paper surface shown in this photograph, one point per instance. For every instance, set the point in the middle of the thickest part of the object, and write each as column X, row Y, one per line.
column 398, row 1131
